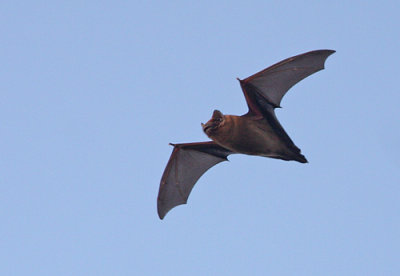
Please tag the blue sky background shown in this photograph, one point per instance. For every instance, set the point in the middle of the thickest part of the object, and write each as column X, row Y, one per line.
column 92, row 92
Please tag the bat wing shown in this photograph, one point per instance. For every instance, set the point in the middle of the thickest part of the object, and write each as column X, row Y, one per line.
column 271, row 84
column 188, row 162
column 264, row 90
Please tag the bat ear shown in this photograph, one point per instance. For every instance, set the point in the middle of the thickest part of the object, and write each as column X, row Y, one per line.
column 217, row 114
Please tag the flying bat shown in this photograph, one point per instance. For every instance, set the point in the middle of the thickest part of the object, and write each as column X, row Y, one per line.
column 258, row 132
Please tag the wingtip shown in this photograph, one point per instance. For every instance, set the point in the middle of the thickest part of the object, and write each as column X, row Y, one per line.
column 161, row 213
column 326, row 53
column 331, row 51
column 324, row 50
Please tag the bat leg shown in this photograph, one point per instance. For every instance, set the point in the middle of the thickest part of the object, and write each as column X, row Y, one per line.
column 300, row 158
column 290, row 157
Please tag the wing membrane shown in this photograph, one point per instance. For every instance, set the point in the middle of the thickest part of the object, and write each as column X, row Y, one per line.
column 273, row 83
column 188, row 162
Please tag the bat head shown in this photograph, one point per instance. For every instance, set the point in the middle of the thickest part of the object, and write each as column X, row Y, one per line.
column 216, row 121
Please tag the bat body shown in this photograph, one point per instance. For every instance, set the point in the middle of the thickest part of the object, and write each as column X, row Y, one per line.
column 258, row 132
column 248, row 135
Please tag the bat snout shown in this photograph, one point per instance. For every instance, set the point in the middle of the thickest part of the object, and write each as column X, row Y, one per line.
column 207, row 127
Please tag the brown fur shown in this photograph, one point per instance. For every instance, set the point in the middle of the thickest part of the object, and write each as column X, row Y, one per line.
column 247, row 135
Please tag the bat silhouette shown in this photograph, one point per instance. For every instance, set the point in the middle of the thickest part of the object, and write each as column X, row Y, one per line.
column 258, row 132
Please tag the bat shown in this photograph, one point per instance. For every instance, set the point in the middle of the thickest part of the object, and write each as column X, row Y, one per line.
column 258, row 132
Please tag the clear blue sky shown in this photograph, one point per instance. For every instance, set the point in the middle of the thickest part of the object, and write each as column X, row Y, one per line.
column 92, row 92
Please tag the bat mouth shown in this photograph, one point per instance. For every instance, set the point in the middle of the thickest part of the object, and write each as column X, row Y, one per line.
column 207, row 128
column 204, row 127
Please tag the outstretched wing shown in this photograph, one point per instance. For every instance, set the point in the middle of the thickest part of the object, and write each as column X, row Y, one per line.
column 271, row 84
column 185, row 166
